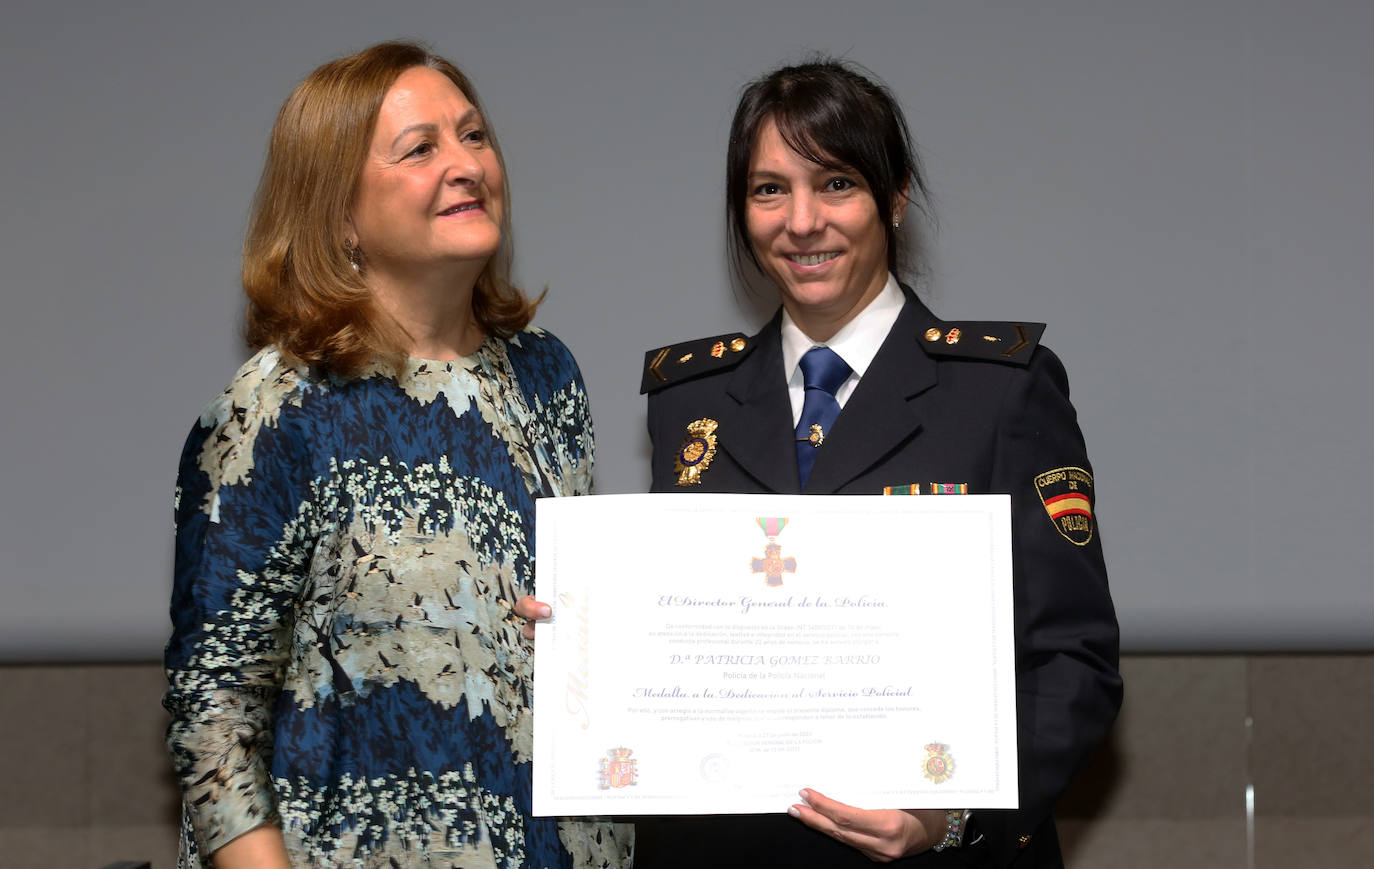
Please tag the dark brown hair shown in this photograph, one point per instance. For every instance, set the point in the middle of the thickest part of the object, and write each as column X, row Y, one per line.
column 835, row 116
column 303, row 295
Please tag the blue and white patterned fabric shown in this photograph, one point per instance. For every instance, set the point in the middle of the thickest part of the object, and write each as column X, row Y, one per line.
column 344, row 660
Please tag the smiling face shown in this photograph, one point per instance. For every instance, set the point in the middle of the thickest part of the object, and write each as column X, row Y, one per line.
column 817, row 232
column 430, row 194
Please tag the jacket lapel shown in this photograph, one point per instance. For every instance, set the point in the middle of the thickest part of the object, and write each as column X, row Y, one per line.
column 756, row 428
column 881, row 414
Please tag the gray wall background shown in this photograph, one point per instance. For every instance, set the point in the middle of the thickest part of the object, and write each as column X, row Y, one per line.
column 1181, row 189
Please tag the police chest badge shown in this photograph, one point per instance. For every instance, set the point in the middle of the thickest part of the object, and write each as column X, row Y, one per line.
column 1067, row 494
column 698, row 449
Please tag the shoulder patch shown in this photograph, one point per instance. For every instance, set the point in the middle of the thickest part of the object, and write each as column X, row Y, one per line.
column 677, row 362
column 1067, row 494
column 984, row 339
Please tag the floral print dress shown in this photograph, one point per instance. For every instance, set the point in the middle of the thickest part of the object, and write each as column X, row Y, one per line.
column 345, row 662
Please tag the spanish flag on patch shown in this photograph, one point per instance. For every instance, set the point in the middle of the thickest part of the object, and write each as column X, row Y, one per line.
column 1067, row 494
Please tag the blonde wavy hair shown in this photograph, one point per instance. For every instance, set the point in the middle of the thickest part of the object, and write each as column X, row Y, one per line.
column 303, row 295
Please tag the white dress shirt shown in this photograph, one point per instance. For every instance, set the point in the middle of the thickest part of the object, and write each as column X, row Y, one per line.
column 856, row 343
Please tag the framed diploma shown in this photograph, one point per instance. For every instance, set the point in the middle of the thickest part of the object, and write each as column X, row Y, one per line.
column 717, row 653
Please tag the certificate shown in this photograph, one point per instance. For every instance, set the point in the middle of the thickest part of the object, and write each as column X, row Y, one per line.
column 717, row 653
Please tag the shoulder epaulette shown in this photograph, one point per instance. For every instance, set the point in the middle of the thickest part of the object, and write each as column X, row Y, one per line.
column 984, row 339
column 678, row 362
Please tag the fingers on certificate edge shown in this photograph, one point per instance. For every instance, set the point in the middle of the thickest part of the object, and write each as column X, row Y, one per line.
column 809, row 813
column 531, row 611
column 529, row 608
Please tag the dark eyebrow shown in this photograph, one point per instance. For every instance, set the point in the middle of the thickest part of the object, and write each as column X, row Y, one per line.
column 432, row 129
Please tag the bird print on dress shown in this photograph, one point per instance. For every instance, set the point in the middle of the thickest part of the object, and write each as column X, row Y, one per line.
column 346, row 660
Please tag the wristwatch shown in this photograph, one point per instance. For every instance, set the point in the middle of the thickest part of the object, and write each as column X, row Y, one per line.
column 956, row 822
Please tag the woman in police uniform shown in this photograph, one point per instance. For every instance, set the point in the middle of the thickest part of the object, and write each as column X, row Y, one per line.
column 855, row 387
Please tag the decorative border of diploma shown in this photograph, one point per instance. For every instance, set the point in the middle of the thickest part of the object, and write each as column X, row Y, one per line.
column 717, row 653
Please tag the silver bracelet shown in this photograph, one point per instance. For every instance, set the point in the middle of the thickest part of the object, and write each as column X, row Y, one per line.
column 956, row 820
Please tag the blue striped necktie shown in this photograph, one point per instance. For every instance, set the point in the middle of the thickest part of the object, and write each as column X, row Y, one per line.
column 823, row 371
